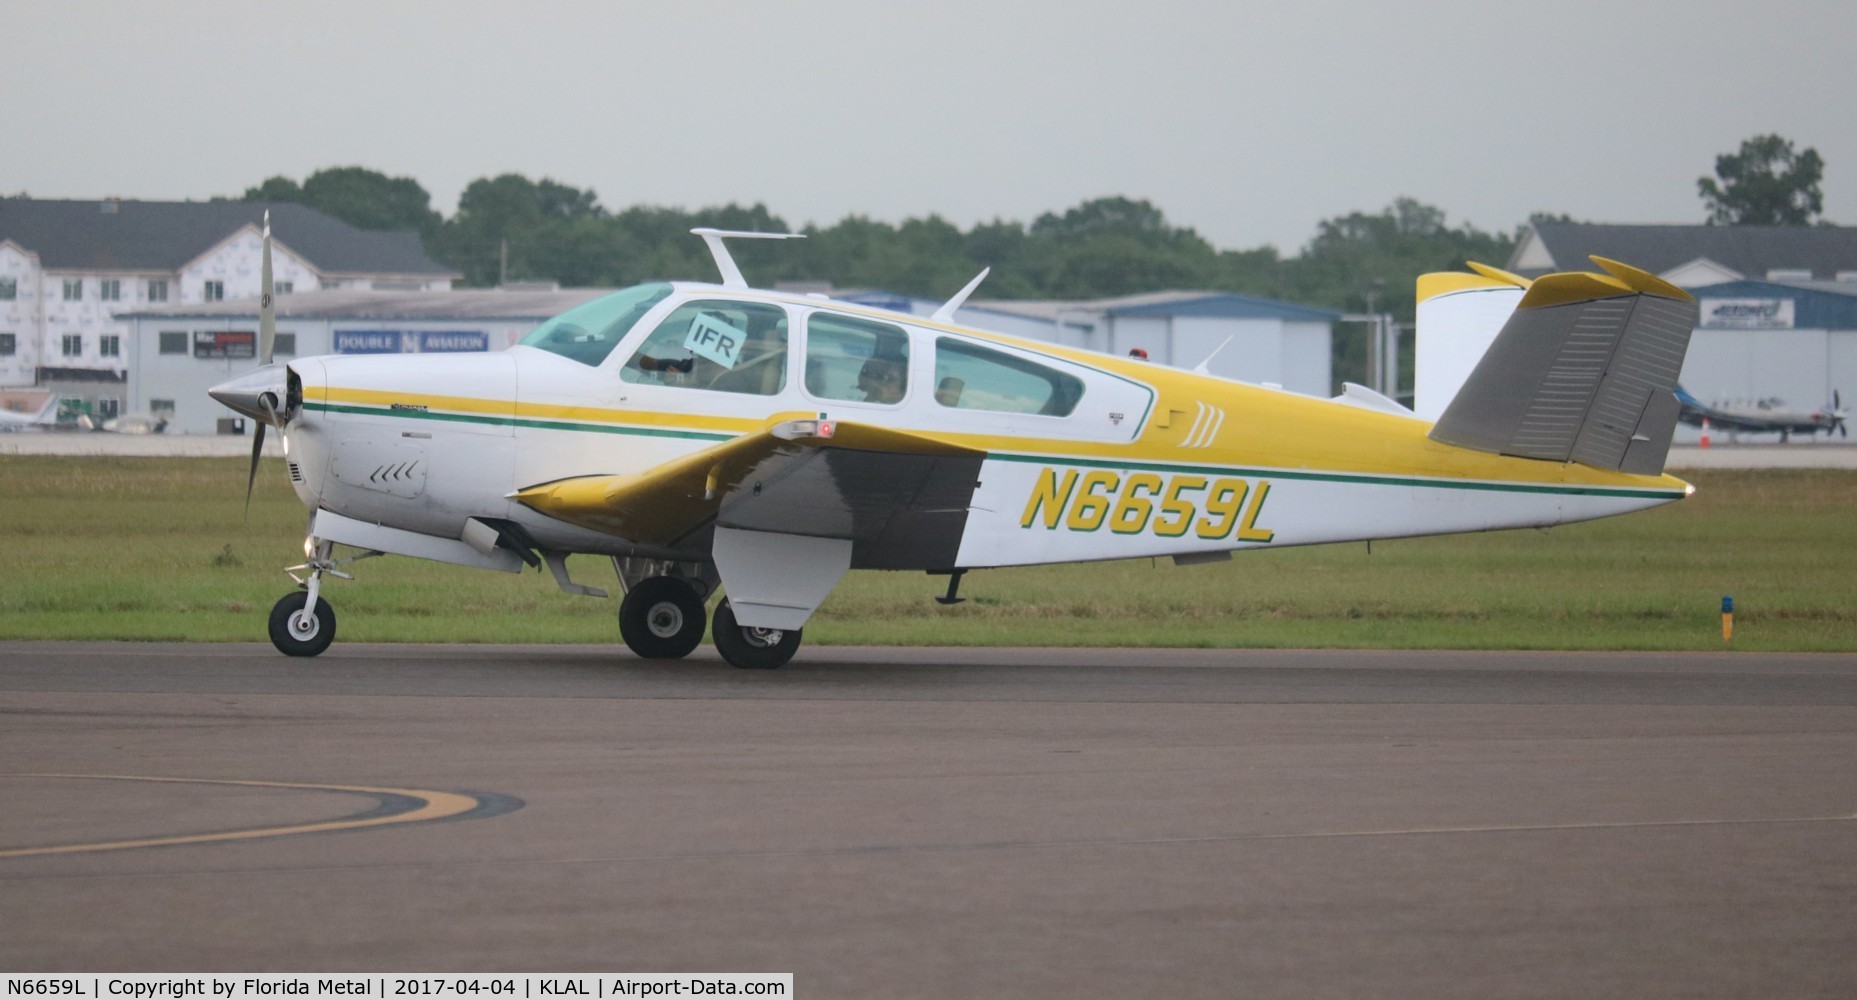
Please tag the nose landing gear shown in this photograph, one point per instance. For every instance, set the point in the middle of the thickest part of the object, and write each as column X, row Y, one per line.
column 297, row 630
column 302, row 623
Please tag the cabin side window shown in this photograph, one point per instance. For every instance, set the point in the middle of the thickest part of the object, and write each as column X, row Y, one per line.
column 856, row 359
column 971, row 377
column 716, row 344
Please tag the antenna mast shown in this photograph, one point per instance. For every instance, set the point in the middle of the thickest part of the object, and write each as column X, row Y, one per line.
column 732, row 275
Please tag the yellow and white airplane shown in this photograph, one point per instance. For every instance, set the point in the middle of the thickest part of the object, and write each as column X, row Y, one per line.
column 718, row 438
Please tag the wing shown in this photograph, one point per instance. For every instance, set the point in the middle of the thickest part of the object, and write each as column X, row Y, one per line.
column 900, row 498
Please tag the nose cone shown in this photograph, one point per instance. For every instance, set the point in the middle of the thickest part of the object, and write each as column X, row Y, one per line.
column 245, row 394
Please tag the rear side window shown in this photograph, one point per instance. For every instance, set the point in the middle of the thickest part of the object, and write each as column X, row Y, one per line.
column 856, row 359
column 717, row 344
column 971, row 377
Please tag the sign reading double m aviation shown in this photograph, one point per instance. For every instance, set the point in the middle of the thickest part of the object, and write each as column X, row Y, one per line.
column 410, row 341
column 1748, row 314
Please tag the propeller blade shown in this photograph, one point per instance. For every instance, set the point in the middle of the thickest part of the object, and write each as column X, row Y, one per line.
column 257, row 444
column 267, row 301
column 251, row 478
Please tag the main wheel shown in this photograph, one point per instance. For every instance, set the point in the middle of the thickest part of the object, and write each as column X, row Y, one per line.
column 662, row 618
column 298, row 632
column 752, row 648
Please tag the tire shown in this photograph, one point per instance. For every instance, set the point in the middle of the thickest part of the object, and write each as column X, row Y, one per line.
column 752, row 648
column 295, row 633
column 662, row 618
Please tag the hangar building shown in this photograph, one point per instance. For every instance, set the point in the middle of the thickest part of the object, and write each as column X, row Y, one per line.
column 1778, row 303
column 176, row 353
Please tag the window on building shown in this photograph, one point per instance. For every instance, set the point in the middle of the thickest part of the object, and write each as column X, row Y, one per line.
column 856, row 359
column 157, row 290
column 108, row 408
column 720, row 345
column 286, row 344
column 173, row 342
column 9, row 289
column 110, row 345
column 73, row 289
column 283, row 287
column 215, row 291
column 8, row 344
column 73, row 345
column 110, row 290
column 970, row 377
column 161, row 408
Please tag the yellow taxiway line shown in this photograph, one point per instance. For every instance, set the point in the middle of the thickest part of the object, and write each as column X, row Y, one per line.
column 436, row 805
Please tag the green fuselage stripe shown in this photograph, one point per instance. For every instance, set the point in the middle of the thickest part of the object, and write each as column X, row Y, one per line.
column 1087, row 463
column 550, row 425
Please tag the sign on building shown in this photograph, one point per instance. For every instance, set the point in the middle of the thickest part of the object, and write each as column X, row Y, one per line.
column 410, row 341
column 1748, row 314
column 238, row 344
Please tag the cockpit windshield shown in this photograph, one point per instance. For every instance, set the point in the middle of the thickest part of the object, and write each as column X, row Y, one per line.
column 588, row 333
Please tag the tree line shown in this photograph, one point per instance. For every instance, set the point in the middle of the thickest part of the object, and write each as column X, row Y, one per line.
column 513, row 228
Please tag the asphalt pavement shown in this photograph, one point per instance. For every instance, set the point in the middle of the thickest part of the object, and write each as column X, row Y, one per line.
column 945, row 823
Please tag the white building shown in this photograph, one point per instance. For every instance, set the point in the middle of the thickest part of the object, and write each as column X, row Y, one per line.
column 70, row 269
column 176, row 353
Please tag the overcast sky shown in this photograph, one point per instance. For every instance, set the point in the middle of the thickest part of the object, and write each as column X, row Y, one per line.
column 1248, row 121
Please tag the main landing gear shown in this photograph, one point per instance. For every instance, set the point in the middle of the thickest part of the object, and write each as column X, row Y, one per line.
column 662, row 618
column 753, row 648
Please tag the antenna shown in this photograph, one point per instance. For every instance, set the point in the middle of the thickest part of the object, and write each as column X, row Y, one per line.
column 732, row 275
column 1205, row 367
column 946, row 313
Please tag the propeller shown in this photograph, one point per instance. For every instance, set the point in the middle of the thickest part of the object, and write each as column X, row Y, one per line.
column 267, row 342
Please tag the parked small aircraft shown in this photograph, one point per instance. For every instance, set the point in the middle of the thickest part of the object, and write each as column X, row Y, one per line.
column 46, row 417
column 1768, row 416
column 717, row 438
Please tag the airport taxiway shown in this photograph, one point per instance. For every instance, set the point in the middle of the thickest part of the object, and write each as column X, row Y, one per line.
column 911, row 822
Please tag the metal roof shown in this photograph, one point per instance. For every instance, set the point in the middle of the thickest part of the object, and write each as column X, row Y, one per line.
column 343, row 303
column 1752, row 251
column 1224, row 305
column 108, row 234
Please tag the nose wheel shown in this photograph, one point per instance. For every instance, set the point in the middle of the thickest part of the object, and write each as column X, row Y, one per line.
column 299, row 628
column 752, row 648
column 662, row 618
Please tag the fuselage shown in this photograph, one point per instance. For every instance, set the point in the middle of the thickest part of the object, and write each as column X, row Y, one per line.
column 1088, row 456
